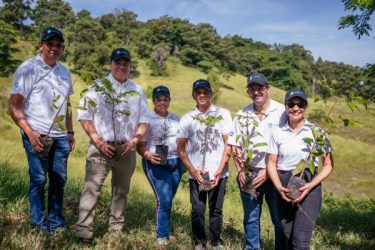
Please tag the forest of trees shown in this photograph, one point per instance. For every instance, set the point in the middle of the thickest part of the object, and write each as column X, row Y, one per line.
column 90, row 40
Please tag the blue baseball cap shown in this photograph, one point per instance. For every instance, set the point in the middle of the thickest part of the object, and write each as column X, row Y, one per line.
column 258, row 78
column 295, row 93
column 119, row 53
column 50, row 32
column 160, row 90
column 201, row 83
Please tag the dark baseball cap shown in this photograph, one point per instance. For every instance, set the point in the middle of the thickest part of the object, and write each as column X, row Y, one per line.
column 119, row 53
column 295, row 93
column 201, row 83
column 50, row 32
column 257, row 78
column 160, row 90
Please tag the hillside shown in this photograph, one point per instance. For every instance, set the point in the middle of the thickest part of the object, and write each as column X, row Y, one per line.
column 353, row 174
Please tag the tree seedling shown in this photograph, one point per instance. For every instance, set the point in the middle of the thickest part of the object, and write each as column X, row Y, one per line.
column 245, row 136
column 316, row 146
column 208, row 135
column 162, row 148
column 58, row 121
column 114, row 100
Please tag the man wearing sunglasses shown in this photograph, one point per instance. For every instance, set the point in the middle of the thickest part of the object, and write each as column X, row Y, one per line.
column 202, row 149
column 260, row 117
column 41, row 90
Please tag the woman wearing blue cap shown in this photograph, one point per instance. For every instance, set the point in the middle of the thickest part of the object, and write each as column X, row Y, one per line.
column 161, row 164
column 299, row 145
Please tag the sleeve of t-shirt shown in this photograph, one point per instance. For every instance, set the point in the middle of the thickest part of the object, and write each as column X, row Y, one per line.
column 23, row 81
column 272, row 144
column 226, row 123
column 183, row 131
column 235, row 131
column 144, row 116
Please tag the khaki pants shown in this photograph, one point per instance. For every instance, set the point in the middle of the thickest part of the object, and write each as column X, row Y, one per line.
column 97, row 169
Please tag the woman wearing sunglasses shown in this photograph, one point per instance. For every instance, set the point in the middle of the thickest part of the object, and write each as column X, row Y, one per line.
column 290, row 146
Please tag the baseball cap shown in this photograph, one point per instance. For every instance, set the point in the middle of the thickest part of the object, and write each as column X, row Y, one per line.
column 160, row 90
column 119, row 53
column 295, row 93
column 202, row 83
column 258, row 78
column 50, row 32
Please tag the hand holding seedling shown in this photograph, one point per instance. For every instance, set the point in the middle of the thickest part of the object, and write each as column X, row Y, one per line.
column 304, row 191
column 198, row 175
column 34, row 138
column 106, row 149
column 128, row 147
column 153, row 158
column 261, row 178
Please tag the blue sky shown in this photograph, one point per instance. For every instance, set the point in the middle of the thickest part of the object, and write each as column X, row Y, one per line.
column 311, row 23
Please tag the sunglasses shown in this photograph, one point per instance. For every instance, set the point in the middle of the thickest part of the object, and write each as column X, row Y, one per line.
column 52, row 45
column 204, row 92
column 257, row 88
column 299, row 104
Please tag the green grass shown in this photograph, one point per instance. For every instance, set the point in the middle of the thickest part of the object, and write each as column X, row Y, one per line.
column 346, row 222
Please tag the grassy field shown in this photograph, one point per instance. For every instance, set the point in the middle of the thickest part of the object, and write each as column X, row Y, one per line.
column 347, row 216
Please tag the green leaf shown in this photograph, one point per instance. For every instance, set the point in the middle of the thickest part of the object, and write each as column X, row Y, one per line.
column 300, row 167
column 261, row 144
column 83, row 92
column 92, row 103
column 249, row 154
column 238, row 138
column 61, row 126
column 81, row 108
column 59, row 118
column 312, row 167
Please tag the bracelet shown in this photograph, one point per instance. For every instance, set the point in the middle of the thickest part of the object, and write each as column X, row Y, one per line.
column 70, row 132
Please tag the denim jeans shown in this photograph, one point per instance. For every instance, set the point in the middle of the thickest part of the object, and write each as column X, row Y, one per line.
column 198, row 202
column 298, row 222
column 252, row 207
column 56, row 168
column 164, row 180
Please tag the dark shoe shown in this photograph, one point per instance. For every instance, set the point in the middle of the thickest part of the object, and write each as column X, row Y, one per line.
column 85, row 241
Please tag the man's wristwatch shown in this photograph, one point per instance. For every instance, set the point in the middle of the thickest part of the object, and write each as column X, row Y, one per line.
column 70, row 132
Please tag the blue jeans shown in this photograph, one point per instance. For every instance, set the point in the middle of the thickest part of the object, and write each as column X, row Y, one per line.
column 252, row 207
column 56, row 168
column 164, row 180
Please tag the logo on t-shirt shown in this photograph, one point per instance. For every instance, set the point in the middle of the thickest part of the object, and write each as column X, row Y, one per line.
column 16, row 84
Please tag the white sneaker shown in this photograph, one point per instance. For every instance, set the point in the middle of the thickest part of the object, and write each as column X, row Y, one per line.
column 199, row 247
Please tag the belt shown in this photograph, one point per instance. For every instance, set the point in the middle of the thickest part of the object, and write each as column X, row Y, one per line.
column 113, row 142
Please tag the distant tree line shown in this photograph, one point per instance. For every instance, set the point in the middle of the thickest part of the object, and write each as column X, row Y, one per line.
column 90, row 40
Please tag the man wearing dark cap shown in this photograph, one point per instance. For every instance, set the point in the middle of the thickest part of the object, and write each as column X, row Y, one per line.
column 33, row 106
column 99, row 124
column 201, row 144
column 256, row 121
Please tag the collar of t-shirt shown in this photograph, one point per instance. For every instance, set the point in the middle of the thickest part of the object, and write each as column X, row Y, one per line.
column 250, row 109
column 212, row 109
column 44, row 65
column 306, row 126
column 116, row 84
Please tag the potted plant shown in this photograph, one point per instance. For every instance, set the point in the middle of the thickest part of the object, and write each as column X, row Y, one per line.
column 245, row 121
column 316, row 146
column 104, row 87
column 162, row 148
column 207, row 136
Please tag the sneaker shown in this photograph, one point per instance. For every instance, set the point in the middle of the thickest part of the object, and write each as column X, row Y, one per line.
column 218, row 247
column 162, row 242
column 171, row 239
column 199, row 247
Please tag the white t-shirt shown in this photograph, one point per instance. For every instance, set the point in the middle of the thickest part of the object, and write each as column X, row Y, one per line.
column 290, row 146
column 125, row 126
column 194, row 131
column 273, row 118
column 153, row 136
column 40, row 84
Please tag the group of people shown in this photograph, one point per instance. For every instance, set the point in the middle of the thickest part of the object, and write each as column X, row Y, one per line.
column 266, row 139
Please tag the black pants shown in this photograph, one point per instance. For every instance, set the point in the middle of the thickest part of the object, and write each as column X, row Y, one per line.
column 298, row 223
column 198, row 202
